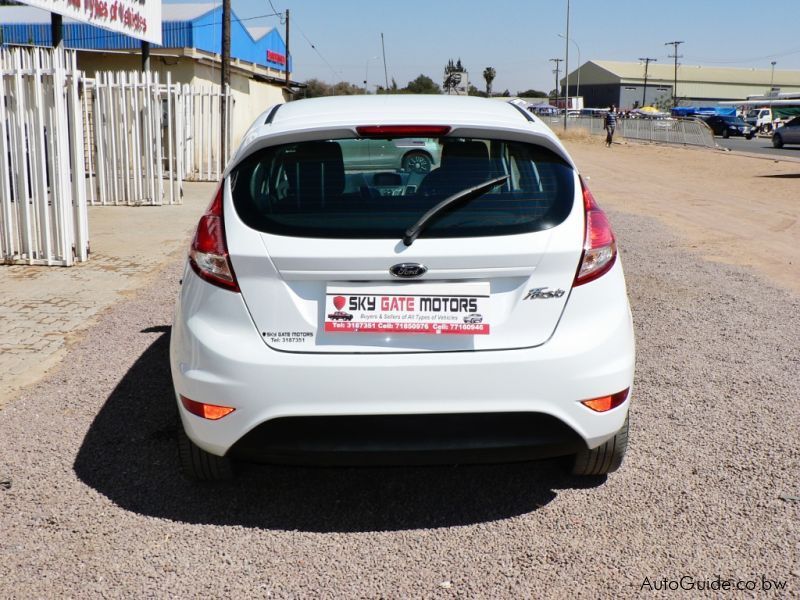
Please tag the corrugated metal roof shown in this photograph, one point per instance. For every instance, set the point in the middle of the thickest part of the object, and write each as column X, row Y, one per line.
column 259, row 32
column 699, row 73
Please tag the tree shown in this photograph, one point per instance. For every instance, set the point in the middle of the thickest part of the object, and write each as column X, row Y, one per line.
column 489, row 74
column 423, row 85
column 316, row 88
column 345, row 88
column 532, row 94
column 473, row 91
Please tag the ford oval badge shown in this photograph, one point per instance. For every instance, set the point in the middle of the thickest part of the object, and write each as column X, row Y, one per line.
column 408, row 270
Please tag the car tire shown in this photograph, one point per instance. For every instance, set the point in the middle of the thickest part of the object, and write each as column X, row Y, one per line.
column 749, row 136
column 604, row 459
column 777, row 141
column 417, row 162
column 199, row 465
column 726, row 134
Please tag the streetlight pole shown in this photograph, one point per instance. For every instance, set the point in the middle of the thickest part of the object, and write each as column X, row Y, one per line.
column 772, row 75
column 578, row 88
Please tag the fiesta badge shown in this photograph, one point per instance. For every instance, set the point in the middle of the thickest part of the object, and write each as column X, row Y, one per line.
column 408, row 270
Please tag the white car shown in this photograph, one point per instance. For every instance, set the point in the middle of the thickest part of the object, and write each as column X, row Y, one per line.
column 265, row 369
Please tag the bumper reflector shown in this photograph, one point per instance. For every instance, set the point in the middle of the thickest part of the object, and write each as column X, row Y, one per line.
column 206, row 411
column 605, row 403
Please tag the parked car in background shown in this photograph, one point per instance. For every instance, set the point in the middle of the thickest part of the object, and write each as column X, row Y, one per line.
column 787, row 134
column 729, row 126
column 477, row 313
column 407, row 154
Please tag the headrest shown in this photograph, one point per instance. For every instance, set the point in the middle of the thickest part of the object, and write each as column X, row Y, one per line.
column 456, row 152
column 317, row 169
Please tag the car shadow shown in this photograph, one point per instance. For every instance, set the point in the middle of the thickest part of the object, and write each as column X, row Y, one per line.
column 129, row 455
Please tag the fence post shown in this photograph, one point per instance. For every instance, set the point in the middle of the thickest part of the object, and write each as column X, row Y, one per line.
column 7, row 233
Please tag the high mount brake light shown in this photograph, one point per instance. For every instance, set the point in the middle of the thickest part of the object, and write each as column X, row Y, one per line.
column 384, row 131
column 208, row 255
column 599, row 244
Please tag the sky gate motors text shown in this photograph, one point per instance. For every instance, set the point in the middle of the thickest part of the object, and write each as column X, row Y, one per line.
column 412, row 304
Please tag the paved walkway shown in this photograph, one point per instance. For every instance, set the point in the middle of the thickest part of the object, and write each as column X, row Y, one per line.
column 43, row 310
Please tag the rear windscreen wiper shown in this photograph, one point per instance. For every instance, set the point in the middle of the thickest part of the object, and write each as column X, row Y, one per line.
column 463, row 196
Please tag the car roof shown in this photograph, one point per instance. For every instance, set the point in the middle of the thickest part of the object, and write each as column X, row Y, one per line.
column 340, row 115
column 399, row 109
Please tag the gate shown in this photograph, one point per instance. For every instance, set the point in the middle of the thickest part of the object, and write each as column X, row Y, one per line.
column 145, row 137
column 43, row 218
column 201, row 147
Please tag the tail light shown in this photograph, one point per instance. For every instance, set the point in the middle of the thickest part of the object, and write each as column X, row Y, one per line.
column 209, row 252
column 599, row 244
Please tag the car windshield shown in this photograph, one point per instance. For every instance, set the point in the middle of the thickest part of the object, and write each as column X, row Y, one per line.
column 370, row 188
column 734, row 120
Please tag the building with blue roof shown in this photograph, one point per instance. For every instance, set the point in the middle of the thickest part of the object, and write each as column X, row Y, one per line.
column 190, row 52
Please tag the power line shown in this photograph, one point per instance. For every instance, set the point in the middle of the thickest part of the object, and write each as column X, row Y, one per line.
column 275, row 10
column 745, row 60
column 310, row 43
column 315, row 49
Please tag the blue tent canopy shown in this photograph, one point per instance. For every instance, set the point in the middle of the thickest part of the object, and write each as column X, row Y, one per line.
column 688, row 111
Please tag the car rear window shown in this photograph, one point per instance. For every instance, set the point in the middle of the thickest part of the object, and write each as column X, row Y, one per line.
column 371, row 188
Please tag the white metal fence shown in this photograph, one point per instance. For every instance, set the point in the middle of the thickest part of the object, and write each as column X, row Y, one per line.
column 670, row 131
column 147, row 137
column 126, row 142
column 43, row 216
column 201, row 115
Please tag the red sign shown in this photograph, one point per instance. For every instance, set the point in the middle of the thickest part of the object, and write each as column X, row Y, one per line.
column 276, row 57
column 435, row 328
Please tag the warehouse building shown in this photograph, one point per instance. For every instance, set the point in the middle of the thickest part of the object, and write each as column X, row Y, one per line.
column 191, row 52
column 603, row 82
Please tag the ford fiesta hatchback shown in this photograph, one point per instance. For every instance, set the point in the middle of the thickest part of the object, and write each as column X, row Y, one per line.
column 335, row 315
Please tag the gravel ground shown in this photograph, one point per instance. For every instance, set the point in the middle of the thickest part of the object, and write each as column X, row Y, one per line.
column 709, row 488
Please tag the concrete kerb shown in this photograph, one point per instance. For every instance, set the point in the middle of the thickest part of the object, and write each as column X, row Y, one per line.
column 43, row 310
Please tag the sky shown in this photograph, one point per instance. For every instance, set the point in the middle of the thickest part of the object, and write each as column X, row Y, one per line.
column 340, row 40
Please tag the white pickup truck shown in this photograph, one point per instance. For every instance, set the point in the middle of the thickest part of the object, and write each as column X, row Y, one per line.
column 760, row 118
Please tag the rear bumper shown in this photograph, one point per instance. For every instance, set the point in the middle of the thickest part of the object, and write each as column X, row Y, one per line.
column 217, row 357
column 407, row 439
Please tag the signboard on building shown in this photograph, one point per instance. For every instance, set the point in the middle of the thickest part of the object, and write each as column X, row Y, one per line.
column 140, row 19
column 276, row 57
column 456, row 82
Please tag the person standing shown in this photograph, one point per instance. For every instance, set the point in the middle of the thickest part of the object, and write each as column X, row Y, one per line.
column 610, row 124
